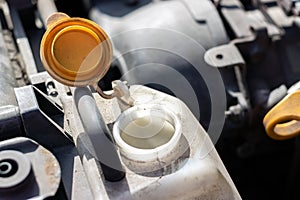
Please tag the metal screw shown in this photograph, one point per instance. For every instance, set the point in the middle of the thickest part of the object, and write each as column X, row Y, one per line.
column 51, row 88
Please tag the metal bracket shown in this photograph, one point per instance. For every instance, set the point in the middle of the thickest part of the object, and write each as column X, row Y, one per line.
column 42, row 120
column 224, row 56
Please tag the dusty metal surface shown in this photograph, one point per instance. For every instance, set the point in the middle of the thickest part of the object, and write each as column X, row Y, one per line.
column 37, row 171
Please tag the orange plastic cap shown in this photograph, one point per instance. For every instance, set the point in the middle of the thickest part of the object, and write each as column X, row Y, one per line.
column 283, row 120
column 75, row 51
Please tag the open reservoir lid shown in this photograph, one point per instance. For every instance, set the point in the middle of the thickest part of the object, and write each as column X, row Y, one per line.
column 145, row 132
column 75, row 51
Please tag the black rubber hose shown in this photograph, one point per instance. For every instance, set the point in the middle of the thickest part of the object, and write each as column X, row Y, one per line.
column 99, row 134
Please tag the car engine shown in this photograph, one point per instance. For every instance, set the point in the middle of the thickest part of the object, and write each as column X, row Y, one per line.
column 149, row 99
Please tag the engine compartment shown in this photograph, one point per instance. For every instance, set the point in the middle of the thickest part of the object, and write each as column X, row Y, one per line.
column 226, row 60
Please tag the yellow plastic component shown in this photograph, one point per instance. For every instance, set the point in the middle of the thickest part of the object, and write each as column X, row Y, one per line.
column 283, row 120
column 75, row 51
